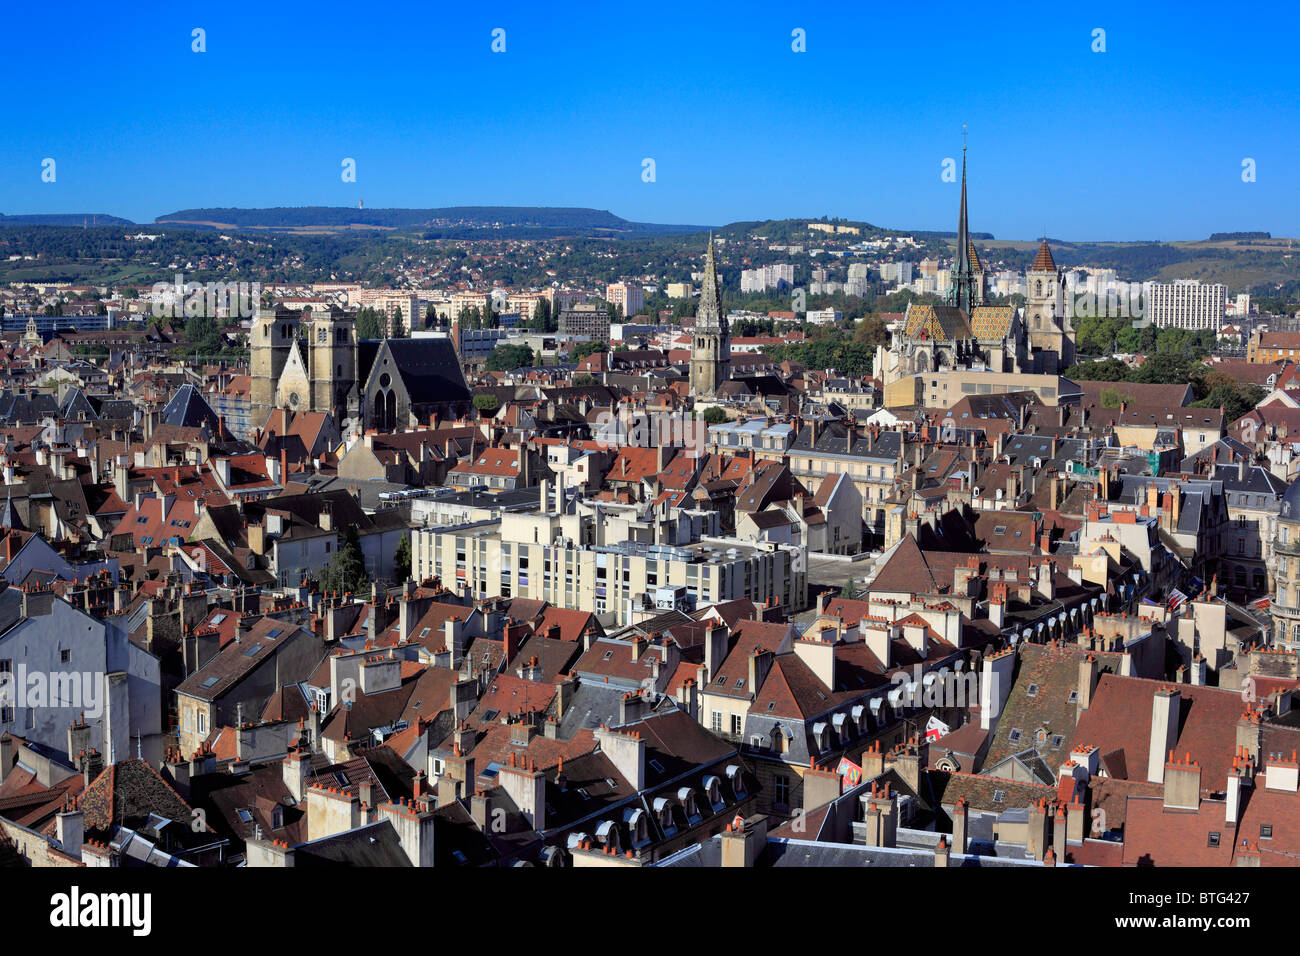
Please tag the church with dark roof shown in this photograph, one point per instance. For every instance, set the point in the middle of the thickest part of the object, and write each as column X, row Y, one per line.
column 314, row 362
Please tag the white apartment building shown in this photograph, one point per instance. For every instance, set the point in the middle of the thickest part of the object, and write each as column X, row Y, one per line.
column 569, row 561
column 898, row 272
column 1185, row 304
column 389, row 301
column 779, row 275
column 628, row 297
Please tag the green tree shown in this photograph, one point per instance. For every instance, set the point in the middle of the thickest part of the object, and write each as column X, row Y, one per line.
column 1113, row 398
column 487, row 404
column 368, row 326
column 507, row 358
column 714, row 415
column 346, row 571
column 399, row 330
column 402, row 559
column 583, row 349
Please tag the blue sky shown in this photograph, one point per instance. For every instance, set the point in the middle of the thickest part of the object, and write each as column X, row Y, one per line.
column 1143, row 141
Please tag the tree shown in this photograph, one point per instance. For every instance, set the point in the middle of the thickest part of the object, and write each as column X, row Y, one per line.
column 583, row 349
column 585, row 379
column 714, row 415
column 399, row 331
column 368, row 324
column 507, row 358
column 487, row 404
column 1106, row 370
column 402, row 559
column 1113, row 398
column 346, row 571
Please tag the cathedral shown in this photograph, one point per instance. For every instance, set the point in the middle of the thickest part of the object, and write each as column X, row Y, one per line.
column 711, row 345
column 314, row 362
column 968, row 334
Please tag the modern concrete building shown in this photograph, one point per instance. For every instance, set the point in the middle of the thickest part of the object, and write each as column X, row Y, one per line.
column 1185, row 304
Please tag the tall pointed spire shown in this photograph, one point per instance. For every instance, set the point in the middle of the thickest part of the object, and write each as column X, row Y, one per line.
column 964, row 289
column 709, row 314
column 711, row 343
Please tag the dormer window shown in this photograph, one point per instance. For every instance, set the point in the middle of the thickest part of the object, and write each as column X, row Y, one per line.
column 821, row 735
column 713, row 788
column 686, row 797
column 840, row 723
column 737, row 779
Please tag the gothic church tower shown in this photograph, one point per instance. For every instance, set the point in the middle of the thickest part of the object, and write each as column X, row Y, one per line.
column 711, row 345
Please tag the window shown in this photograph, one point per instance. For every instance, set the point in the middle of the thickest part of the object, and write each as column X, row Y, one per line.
column 781, row 790
column 1266, row 831
column 717, row 721
column 999, row 796
column 1033, row 690
column 1214, row 838
column 1015, row 735
column 65, row 656
column 735, row 725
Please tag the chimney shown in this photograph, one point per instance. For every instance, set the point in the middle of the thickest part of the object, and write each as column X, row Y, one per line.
column 959, row 831
column 1087, row 684
column 1036, row 840
column 7, row 747
column 295, row 767
column 1182, row 783
column 1165, row 707
column 743, row 840
column 1281, row 774
column 715, row 648
column 1234, row 796
column 70, row 829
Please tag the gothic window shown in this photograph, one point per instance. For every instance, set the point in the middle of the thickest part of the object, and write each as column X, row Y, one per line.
column 322, row 335
column 1038, row 287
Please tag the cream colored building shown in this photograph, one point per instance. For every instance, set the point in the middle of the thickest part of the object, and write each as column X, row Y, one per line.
column 566, row 560
column 945, row 389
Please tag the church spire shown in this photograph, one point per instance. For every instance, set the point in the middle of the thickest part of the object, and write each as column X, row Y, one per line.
column 711, row 343
column 964, row 289
column 709, row 314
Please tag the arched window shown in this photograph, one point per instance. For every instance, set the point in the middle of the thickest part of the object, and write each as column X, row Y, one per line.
column 1038, row 287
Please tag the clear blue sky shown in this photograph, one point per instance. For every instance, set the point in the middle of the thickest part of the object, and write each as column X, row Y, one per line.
column 1144, row 141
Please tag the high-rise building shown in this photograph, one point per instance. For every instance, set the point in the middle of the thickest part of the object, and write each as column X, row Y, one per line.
column 779, row 275
column 628, row 297
column 1185, row 304
column 585, row 320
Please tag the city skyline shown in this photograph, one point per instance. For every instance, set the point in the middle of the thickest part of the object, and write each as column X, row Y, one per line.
column 857, row 126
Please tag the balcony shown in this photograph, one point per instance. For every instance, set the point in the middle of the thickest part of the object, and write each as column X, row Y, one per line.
column 1281, row 547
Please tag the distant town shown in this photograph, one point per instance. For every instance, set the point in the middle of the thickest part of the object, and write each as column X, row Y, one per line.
column 817, row 544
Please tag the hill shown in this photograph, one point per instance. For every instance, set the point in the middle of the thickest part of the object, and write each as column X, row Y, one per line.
column 64, row 219
column 443, row 223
